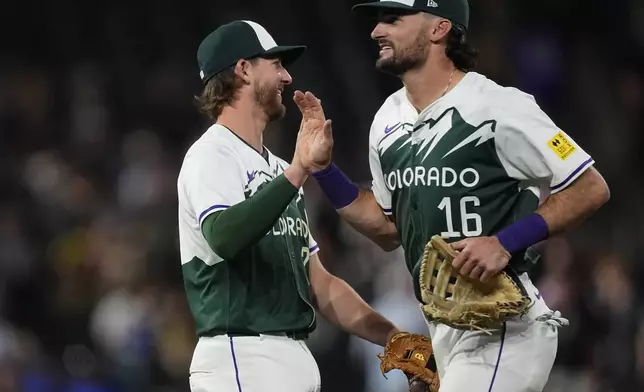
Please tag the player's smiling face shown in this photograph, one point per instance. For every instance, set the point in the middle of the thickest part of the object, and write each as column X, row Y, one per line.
column 268, row 87
column 403, row 41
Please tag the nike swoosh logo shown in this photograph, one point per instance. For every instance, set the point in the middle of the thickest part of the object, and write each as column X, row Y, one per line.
column 537, row 294
column 389, row 129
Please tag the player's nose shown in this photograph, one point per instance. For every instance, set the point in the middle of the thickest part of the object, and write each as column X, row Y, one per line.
column 286, row 77
column 377, row 32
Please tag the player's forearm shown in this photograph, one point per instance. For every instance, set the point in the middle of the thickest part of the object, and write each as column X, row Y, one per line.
column 339, row 304
column 365, row 215
column 358, row 207
column 578, row 201
column 231, row 231
column 558, row 213
column 296, row 175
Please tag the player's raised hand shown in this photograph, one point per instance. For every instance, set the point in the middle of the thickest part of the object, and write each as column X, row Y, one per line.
column 480, row 257
column 315, row 138
column 310, row 106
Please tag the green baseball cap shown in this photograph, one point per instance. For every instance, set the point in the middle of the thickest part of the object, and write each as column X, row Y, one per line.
column 241, row 39
column 457, row 11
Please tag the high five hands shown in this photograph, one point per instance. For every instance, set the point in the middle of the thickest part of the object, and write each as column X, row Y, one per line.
column 314, row 139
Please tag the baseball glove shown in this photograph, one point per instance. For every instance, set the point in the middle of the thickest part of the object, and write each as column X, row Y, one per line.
column 464, row 303
column 410, row 353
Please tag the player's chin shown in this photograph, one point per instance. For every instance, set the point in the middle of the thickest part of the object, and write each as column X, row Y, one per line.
column 386, row 62
column 277, row 111
column 390, row 66
column 384, row 59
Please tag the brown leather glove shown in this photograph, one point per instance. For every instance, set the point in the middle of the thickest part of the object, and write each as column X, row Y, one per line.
column 460, row 302
column 410, row 353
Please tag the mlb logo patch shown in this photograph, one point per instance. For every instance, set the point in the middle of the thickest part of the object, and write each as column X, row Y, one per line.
column 561, row 146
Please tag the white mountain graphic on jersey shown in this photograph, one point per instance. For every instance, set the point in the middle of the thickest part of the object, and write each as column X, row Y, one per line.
column 484, row 133
column 257, row 179
column 392, row 134
column 429, row 135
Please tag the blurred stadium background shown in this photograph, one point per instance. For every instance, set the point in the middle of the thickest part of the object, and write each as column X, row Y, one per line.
column 96, row 112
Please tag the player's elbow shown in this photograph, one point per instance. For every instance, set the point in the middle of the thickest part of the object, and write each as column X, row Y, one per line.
column 224, row 249
column 388, row 243
column 599, row 192
column 221, row 241
column 603, row 195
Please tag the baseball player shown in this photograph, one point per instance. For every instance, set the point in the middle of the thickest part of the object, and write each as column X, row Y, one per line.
column 453, row 153
column 252, row 275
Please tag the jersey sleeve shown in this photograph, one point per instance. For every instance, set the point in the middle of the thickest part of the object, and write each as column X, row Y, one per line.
column 212, row 180
column 378, row 185
column 313, row 245
column 532, row 148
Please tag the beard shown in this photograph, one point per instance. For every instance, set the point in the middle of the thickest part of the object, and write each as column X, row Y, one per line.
column 402, row 60
column 267, row 97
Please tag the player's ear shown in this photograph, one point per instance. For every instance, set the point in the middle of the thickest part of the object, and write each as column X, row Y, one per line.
column 439, row 29
column 243, row 70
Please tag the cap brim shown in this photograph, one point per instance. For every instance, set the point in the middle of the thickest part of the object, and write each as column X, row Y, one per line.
column 288, row 54
column 374, row 7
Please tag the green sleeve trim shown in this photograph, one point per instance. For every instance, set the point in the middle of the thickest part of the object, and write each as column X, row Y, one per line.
column 241, row 226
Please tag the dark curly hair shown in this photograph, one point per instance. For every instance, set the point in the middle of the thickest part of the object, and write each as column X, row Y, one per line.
column 461, row 52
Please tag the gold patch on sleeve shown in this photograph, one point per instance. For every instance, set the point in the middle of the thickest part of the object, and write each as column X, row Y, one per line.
column 561, row 146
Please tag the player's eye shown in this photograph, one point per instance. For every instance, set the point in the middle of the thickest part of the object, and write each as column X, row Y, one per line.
column 388, row 18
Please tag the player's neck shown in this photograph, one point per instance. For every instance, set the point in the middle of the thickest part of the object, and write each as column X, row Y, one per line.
column 246, row 121
column 427, row 84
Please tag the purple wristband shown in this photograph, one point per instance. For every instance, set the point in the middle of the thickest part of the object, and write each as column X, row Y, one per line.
column 337, row 187
column 524, row 233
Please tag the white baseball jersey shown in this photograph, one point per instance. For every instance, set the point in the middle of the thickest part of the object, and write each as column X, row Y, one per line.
column 471, row 163
column 267, row 289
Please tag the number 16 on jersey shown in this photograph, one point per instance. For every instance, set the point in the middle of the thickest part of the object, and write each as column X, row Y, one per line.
column 471, row 224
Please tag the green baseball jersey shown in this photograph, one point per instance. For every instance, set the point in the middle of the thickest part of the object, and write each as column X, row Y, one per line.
column 471, row 163
column 267, row 288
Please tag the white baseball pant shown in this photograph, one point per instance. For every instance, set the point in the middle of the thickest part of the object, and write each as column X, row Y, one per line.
column 516, row 358
column 265, row 363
